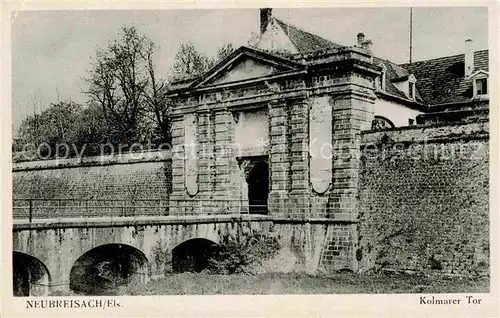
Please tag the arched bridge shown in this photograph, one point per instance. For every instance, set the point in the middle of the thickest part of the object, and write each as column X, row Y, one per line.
column 91, row 255
column 88, row 254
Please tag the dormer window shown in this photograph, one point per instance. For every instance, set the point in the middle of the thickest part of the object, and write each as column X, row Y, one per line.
column 480, row 84
column 411, row 90
column 411, row 87
column 382, row 81
column 382, row 78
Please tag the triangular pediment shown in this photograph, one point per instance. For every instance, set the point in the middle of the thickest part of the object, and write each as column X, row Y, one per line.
column 245, row 68
column 245, row 64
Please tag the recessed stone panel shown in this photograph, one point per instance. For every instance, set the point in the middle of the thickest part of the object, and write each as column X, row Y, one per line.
column 190, row 152
column 251, row 132
column 320, row 144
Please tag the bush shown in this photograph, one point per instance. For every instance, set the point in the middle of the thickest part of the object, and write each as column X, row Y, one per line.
column 235, row 254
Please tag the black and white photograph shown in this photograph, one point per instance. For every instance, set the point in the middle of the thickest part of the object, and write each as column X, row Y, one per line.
column 262, row 150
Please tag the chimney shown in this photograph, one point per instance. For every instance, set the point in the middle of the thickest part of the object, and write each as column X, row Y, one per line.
column 364, row 44
column 361, row 39
column 469, row 58
column 265, row 18
column 367, row 45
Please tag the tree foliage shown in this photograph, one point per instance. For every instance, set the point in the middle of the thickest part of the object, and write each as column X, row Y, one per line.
column 253, row 40
column 127, row 100
column 224, row 51
column 52, row 125
column 123, row 81
column 64, row 122
column 189, row 62
column 156, row 97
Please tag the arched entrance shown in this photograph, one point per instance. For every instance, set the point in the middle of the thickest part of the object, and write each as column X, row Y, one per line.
column 192, row 255
column 106, row 268
column 258, row 188
column 30, row 276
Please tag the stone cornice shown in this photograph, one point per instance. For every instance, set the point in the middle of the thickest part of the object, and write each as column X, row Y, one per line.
column 41, row 224
column 254, row 101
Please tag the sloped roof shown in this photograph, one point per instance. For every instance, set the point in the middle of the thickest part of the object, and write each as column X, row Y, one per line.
column 395, row 72
column 438, row 81
column 481, row 60
column 305, row 41
column 442, row 80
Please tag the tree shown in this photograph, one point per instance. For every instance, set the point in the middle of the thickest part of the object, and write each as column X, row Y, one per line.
column 52, row 127
column 155, row 95
column 128, row 101
column 189, row 62
column 124, row 83
column 253, row 40
column 90, row 130
column 223, row 52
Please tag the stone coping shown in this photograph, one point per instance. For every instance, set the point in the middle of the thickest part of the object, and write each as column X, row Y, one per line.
column 40, row 224
column 429, row 133
column 125, row 158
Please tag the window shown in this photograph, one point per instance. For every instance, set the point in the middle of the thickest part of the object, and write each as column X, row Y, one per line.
column 380, row 122
column 482, row 86
column 411, row 90
column 411, row 121
column 411, row 86
column 382, row 80
column 377, row 83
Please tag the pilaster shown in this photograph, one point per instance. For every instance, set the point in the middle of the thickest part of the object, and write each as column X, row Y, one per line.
column 299, row 156
column 178, row 187
column 351, row 115
column 279, row 157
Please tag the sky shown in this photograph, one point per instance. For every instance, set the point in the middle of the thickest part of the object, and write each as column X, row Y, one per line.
column 52, row 51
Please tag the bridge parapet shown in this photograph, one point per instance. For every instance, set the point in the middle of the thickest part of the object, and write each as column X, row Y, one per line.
column 87, row 208
column 32, row 209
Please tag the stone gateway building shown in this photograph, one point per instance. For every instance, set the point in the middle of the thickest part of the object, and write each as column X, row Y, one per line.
column 288, row 125
column 353, row 162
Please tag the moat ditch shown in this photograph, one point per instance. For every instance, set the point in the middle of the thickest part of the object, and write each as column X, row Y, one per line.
column 298, row 283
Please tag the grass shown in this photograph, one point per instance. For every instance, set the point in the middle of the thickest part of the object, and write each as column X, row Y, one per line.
column 300, row 283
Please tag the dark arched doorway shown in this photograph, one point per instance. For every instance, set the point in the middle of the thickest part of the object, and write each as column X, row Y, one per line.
column 258, row 188
column 30, row 275
column 106, row 268
column 192, row 255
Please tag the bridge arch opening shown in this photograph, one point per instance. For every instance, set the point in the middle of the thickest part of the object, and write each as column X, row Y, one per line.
column 30, row 275
column 258, row 188
column 193, row 255
column 106, row 269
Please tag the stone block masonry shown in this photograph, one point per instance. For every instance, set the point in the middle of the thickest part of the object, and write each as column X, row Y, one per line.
column 424, row 199
column 128, row 178
column 60, row 244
